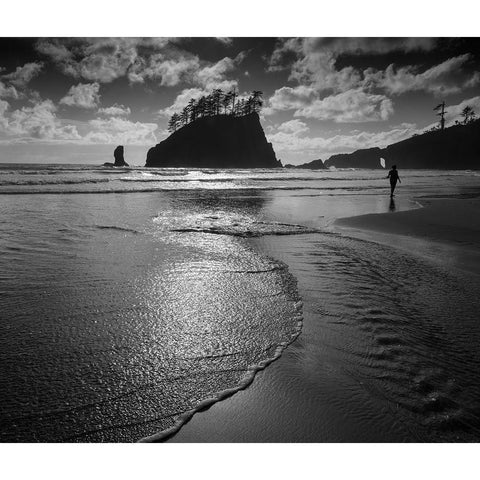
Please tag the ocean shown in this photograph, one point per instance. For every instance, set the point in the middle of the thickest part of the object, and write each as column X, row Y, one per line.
column 132, row 298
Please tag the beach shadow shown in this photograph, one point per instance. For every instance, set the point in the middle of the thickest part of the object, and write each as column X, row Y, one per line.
column 392, row 207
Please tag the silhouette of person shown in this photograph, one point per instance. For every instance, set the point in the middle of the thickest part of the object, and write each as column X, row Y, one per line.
column 393, row 175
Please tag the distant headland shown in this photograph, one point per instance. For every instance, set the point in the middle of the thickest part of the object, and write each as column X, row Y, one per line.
column 216, row 131
column 453, row 148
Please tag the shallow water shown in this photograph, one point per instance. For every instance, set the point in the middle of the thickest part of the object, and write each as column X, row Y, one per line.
column 388, row 353
column 113, row 325
column 122, row 314
column 401, row 333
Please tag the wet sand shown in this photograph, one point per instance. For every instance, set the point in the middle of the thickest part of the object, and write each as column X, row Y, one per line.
column 358, row 373
column 445, row 230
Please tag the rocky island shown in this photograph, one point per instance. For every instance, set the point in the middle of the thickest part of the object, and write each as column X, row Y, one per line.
column 313, row 165
column 119, row 160
column 216, row 132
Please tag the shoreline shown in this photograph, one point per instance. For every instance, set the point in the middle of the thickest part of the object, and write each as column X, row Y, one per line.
column 261, row 412
column 445, row 230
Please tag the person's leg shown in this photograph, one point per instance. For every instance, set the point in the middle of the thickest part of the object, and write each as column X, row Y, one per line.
column 392, row 188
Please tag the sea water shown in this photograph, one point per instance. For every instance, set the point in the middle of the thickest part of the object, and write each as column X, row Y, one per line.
column 132, row 297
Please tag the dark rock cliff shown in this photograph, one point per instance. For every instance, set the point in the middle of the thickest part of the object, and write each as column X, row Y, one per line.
column 221, row 141
column 455, row 148
column 364, row 158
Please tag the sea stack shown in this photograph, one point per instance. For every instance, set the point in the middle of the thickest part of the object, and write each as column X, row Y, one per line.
column 218, row 141
column 118, row 155
column 119, row 160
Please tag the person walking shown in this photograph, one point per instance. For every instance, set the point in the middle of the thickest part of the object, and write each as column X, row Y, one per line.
column 393, row 175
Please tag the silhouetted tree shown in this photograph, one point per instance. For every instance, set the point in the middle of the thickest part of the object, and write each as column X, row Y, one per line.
column 192, row 110
column 174, row 122
column 217, row 96
column 212, row 104
column 226, row 100
column 442, row 113
column 257, row 100
column 468, row 115
column 233, row 96
column 184, row 117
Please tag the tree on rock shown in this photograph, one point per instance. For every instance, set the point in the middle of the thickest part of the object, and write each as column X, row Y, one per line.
column 468, row 115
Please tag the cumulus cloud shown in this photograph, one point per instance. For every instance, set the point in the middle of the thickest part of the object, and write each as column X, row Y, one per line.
column 350, row 106
column 294, row 127
column 161, row 60
column 37, row 122
column 225, row 40
column 115, row 111
column 8, row 91
column 22, row 75
column 445, row 78
column 313, row 62
column 95, row 59
column 4, row 105
column 168, row 71
column 83, row 95
column 289, row 98
column 40, row 123
column 186, row 68
column 353, row 105
column 116, row 130
column 211, row 76
column 290, row 50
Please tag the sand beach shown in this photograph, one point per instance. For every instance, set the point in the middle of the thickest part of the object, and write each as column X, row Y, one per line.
column 355, row 375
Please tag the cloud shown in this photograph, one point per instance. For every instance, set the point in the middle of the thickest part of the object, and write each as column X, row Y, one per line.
column 353, row 105
column 350, row 106
column 96, row 59
column 55, row 50
column 290, row 50
column 288, row 98
column 116, row 130
column 37, row 122
column 115, row 111
column 161, row 60
column 313, row 62
column 225, row 40
column 213, row 75
column 168, row 71
column 4, row 106
column 83, row 95
column 8, row 91
column 22, row 75
column 294, row 127
column 185, row 68
column 370, row 45
column 445, row 78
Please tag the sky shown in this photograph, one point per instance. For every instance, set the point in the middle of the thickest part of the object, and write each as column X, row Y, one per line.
column 72, row 100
